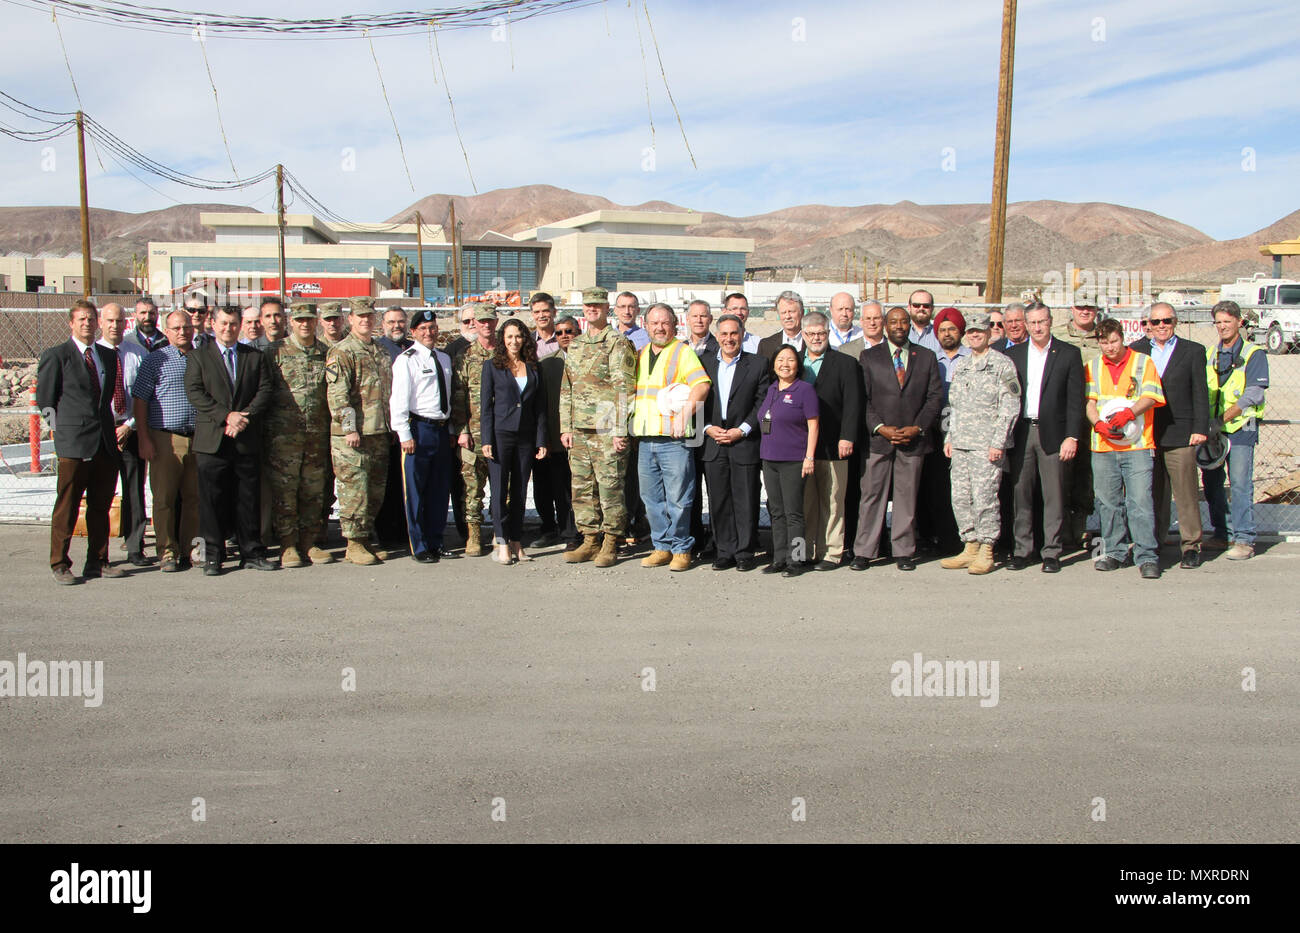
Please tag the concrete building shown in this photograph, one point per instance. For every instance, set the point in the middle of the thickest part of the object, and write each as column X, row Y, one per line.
column 47, row 272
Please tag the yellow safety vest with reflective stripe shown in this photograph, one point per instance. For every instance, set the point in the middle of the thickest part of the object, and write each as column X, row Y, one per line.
column 1223, row 397
column 677, row 363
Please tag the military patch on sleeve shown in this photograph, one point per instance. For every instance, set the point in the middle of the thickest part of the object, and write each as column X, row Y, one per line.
column 332, row 371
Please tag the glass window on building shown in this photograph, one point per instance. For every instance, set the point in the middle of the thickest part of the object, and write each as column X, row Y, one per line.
column 685, row 266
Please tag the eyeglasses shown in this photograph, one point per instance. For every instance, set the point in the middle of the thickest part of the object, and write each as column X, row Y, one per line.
column 1161, row 320
column 926, row 304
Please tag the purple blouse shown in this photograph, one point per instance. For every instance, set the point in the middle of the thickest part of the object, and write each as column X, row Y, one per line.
column 790, row 409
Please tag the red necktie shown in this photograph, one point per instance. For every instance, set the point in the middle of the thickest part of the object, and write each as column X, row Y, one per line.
column 898, row 367
column 119, row 389
column 94, row 373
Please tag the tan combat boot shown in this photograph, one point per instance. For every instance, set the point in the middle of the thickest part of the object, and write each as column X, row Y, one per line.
column 962, row 560
column 608, row 552
column 681, row 561
column 983, row 562
column 584, row 551
column 289, row 556
column 308, row 548
column 656, row 558
column 357, row 554
column 474, row 540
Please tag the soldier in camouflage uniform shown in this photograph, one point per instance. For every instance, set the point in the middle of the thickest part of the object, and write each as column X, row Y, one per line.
column 1081, row 331
column 983, row 404
column 595, row 402
column 359, row 380
column 466, row 400
column 333, row 328
column 296, row 437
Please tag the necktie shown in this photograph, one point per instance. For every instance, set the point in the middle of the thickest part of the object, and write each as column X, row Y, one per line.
column 230, row 364
column 119, row 389
column 443, row 402
column 94, row 373
column 898, row 367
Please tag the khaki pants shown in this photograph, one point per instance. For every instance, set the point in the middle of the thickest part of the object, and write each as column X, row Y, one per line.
column 1175, row 473
column 823, row 509
column 173, row 473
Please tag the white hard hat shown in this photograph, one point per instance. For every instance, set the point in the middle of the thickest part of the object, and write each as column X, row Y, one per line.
column 671, row 398
column 1132, row 432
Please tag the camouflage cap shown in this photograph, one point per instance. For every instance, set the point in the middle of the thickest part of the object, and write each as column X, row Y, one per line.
column 484, row 312
column 331, row 309
column 362, row 305
column 979, row 320
column 302, row 309
column 423, row 316
column 595, row 296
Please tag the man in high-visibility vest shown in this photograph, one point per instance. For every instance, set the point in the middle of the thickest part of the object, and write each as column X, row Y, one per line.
column 1121, row 388
column 1237, row 374
column 663, row 428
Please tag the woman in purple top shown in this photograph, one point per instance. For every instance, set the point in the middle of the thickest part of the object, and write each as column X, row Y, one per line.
column 788, row 422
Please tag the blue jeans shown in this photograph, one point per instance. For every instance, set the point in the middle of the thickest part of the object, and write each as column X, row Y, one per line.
column 1123, row 485
column 667, row 477
column 1233, row 519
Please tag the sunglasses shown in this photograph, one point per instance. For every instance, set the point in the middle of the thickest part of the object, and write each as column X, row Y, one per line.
column 1161, row 320
column 928, row 304
column 570, row 333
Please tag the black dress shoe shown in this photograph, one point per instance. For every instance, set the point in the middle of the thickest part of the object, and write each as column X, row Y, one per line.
column 1051, row 565
column 724, row 563
column 1150, row 571
column 774, row 567
column 1020, row 563
column 1191, row 560
column 827, row 565
column 546, row 539
column 258, row 563
column 1106, row 563
column 905, row 563
column 859, row 563
column 170, row 566
column 424, row 557
column 444, row 554
column 212, row 568
column 794, row 569
column 139, row 560
column 745, row 564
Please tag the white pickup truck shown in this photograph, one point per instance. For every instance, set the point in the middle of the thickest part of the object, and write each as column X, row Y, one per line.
column 1277, row 303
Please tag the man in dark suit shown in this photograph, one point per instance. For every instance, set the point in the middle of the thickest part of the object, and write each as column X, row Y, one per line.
column 1046, row 436
column 74, row 391
column 229, row 384
column 699, row 318
column 1181, row 424
column 738, row 386
column 553, row 494
column 904, row 396
column 838, row 383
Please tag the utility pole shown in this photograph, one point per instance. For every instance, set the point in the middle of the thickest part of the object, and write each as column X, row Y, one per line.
column 1001, row 155
column 279, row 221
column 455, row 253
column 85, row 207
column 419, row 244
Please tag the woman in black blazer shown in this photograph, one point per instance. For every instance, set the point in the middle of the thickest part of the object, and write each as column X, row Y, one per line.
column 513, row 418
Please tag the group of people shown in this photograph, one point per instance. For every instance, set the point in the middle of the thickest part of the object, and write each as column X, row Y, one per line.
column 876, row 433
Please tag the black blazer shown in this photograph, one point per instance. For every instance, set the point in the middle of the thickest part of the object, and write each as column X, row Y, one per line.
column 918, row 401
column 1186, row 410
column 83, row 412
column 207, row 386
column 748, row 389
column 1002, row 345
column 768, row 346
column 710, row 346
column 1060, row 400
column 552, row 369
column 839, row 400
column 503, row 408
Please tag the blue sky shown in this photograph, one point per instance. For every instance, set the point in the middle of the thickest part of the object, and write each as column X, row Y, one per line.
column 1155, row 105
